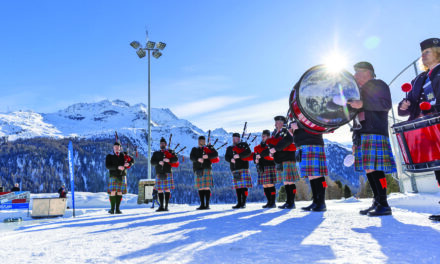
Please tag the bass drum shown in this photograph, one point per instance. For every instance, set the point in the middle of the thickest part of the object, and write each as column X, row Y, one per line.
column 318, row 102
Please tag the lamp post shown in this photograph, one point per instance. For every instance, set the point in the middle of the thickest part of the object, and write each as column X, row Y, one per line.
column 153, row 49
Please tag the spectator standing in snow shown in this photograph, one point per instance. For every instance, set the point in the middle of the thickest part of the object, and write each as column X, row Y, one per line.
column 154, row 194
column 16, row 188
column 62, row 191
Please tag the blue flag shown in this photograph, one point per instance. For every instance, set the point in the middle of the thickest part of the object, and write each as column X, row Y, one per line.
column 72, row 177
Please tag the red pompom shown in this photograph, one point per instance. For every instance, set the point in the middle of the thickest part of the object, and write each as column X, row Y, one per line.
column 406, row 87
column 425, row 106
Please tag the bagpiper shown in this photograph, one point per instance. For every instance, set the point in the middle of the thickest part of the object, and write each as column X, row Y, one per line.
column 162, row 161
column 283, row 151
column 201, row 157
column 241, row 176
column 117, row 163
column 267, row 174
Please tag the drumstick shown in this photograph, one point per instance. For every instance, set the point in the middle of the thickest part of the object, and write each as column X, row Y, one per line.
column 406, row 88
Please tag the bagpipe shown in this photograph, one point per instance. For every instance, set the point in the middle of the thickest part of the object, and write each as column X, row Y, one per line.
column 273, row 141
column 208, row 149
column 169, row 154
column 259, row 149
column 127, row 157
column 239, row 150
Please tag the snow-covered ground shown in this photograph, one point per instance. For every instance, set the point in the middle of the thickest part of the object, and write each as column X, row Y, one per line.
column 222, row 235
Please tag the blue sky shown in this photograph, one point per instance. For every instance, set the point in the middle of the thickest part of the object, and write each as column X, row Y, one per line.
column 226, row 62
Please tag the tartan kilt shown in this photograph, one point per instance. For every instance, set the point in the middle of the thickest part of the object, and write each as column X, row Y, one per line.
column 268, row 176
column 290, row 172
column 205, row 180
column 374, row 153
column 313, row 161
column 244, row 182
column 116, row 185
column 168, row 184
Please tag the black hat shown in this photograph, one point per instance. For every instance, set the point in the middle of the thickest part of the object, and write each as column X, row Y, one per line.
column 266, row 132
column 163, row 140
column 429, row 43
column 202, row 137
column 236, row 135
column 365, row 65
column 117, row 144
column 280, row 118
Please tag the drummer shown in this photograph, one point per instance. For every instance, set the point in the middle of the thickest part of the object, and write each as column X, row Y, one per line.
column 425, row 88
column 371, row 145
column 313, row 164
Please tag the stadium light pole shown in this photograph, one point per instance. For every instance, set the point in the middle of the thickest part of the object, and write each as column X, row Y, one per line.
column 153, row 49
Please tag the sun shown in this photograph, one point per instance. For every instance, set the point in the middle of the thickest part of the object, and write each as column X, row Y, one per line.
column 335, row 61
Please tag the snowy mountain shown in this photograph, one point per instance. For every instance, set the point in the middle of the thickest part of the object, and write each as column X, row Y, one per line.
column 100, row 120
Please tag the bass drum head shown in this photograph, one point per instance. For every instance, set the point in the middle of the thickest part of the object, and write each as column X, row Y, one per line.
column 322, row 96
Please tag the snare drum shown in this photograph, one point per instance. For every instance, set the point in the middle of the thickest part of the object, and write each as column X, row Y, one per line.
column 419, row 142
column 319, row 100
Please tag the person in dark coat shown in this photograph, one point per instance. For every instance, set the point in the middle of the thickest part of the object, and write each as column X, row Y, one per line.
column 117, row 163
column 62, row 191
column 201, row 157
column 371, row 143
column 284, row 156
column 241, row 175
column 154, row 194
column 425, row 88
column 162, row 161
column 16, row 188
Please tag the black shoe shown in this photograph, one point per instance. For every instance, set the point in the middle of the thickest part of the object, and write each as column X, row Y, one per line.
column 201, row 207
column 243, row 206
column 310, row 207
column 207, row 208
column 284, row 206
column 369, row 209
column 271, row 205
column 291, row 206
column 434, row 217
column 118, row 212
column 266, row 205
column 237, row 206
column 380, row 210
column 111, row 211
column 320, row 208
column 160, row 209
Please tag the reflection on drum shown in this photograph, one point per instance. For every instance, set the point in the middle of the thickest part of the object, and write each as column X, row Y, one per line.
column 319, row 100
column 419, row 142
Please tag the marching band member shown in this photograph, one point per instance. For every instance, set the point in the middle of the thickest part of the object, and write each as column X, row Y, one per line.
column 425, row 88
column 284, row 155
column 241, row 179
column 202, row 167
column 371, row 145
column 164, row 174
column 267, row 175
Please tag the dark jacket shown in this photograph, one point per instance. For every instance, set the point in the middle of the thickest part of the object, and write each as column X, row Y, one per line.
column 15, row 189
column 63, row 192
column 157, row 157
column 240, row 164
column 414, row 96
column 197, row 153
column 112, row 162
column 263, row 162
column 154, row 194
column 280, row 155
column 376, row 99
column 302, row 137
